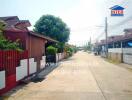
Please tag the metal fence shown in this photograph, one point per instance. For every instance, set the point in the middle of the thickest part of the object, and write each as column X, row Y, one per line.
column 9, row 60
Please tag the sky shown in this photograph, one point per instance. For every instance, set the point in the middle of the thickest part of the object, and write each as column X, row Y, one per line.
column 85, row 18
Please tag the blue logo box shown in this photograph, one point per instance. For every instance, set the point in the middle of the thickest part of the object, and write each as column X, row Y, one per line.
column 117, row 10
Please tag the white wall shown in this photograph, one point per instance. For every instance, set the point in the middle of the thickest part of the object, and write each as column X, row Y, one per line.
column 21, row 71
column 2, row 79
column 127, row 59
column 60, row 56
column 127, row 50
column 32, row 66
column 43, row 62
column 57, row 57
column 127, row 55
column 115, row 50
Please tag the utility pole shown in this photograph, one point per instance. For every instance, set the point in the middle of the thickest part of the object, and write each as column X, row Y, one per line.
column 90, row 44
column 106, row 36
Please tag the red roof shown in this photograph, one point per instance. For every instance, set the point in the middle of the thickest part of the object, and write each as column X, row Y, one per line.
column 9, row 18
column 116, row 39
column 42, row 36
column 13, row 21
column 16, row 25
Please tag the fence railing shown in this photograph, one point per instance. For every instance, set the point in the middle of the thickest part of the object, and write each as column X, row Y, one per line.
column 9, row 61
column 15, row 66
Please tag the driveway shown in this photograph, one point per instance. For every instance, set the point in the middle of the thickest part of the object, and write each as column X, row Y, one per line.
column 81, row 77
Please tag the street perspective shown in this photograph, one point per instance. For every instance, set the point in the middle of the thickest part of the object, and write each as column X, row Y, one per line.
column 66, row 50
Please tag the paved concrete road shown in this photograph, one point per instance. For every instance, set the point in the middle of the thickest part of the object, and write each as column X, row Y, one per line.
column 82, row 77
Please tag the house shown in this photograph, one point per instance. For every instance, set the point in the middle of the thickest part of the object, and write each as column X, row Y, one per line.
column 119, row 47
column 35, row 43
column 16, row 66
column 117, row 10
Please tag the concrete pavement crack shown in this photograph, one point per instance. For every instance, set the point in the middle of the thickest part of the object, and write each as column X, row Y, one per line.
column 97, row 83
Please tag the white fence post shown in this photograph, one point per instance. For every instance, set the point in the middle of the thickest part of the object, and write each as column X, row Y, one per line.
column 32, row 66
column 127, row 55
column 21, row 71
column 2, row 79
column 43, row 62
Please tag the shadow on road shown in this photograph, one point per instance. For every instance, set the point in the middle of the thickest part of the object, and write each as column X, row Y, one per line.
column 37, row 78
column 42, row 75
column 48, row 69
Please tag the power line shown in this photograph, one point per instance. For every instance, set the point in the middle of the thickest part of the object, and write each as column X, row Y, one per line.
column 87, row 28
column 122, row 22
column 112, row 27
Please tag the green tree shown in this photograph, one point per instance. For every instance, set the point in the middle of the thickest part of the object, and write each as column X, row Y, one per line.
column 53, row 27
column 60, row 46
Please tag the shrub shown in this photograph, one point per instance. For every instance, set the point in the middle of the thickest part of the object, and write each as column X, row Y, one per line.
column 69, row 53
column 69, row 50
column 50, row 50
column 8, row 45
column 60, row 47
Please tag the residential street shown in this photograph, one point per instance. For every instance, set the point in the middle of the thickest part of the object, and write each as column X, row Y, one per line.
column 81, row 77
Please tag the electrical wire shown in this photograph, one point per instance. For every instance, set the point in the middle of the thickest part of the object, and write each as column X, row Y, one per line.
column 113, row 27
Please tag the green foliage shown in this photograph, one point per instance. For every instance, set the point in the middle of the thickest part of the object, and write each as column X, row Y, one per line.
column 69, row 53
column 60, row 46
column 8, row 45
column 75, row 49
column 53, row 27
column 2, row 26
column 51, row 50
column 69, row 50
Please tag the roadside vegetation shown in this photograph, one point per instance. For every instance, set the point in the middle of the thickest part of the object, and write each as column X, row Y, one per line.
column 55, row 28
column 51, row 50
